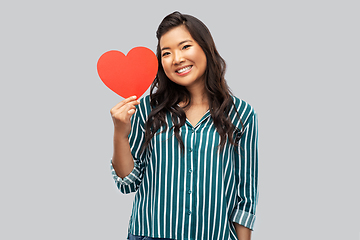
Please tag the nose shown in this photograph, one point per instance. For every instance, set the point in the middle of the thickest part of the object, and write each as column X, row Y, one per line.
column 178, row 58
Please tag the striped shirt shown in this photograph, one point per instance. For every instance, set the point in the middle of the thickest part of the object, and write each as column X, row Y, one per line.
column 197, row 194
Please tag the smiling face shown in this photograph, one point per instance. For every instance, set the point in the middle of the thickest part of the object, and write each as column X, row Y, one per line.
column 182, row 58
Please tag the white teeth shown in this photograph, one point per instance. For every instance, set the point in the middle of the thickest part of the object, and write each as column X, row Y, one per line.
column 183, row 69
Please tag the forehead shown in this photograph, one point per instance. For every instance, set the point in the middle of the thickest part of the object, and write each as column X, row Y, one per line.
column 174, row 36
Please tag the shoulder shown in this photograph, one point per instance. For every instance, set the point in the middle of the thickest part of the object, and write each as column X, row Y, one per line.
column 145, row 100
column 241, row 109
column 144, row 108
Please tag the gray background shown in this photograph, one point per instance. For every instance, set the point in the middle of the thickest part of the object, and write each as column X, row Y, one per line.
column 296, row 62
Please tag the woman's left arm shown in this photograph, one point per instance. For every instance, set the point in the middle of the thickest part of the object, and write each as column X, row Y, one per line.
column 246, row 172
column 242, row 232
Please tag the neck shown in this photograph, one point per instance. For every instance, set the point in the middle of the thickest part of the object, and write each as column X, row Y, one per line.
column 199, row 99
column 198, row 96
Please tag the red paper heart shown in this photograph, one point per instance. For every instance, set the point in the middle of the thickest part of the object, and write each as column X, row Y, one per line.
column 128, row 75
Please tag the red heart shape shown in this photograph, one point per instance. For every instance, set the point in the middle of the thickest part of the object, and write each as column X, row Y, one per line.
column 128, row 75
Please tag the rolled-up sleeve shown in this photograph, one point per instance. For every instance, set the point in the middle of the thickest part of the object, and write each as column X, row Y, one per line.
column 246, row 171
column 131, row 182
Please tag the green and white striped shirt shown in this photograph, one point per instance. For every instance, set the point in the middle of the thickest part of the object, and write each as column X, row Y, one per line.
column 198, row 194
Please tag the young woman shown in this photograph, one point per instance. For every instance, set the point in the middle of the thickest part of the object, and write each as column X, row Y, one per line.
column 189, row 150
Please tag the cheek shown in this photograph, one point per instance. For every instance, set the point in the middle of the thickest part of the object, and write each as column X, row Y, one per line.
column 165, row 64
column 202, row 60
column 166, row 67
column 199, row 56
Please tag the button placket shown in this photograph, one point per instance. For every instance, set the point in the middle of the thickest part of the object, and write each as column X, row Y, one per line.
column 191, row 154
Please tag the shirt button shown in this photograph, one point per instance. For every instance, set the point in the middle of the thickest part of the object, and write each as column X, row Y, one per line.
column 190, row 149
column 189, row 212
column 189, row 192
column 190, row 170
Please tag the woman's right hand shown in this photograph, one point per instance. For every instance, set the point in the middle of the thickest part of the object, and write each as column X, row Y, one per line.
column 121, row 114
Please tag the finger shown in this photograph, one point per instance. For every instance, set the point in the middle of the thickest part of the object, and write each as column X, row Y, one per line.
column 125, row 112
column 125, row 101
column 127, row 107
column 129, row 101
column 131, row 111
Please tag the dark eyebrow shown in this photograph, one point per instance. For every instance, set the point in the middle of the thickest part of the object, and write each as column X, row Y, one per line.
column 165, row 48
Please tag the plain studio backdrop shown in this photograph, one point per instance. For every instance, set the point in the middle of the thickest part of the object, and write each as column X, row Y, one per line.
column 295, row 62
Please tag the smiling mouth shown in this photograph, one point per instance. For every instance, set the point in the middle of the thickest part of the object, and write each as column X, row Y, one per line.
column 184, row 70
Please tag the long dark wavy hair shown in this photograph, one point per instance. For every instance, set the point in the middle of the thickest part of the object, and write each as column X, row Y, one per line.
column 165, row 95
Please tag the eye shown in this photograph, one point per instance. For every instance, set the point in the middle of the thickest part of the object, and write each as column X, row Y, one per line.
column 186, row 46
column 165, row 54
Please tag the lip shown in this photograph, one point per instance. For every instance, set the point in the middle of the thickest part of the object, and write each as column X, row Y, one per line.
column 183, row 73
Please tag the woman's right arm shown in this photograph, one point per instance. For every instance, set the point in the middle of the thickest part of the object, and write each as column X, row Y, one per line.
column 121, row 113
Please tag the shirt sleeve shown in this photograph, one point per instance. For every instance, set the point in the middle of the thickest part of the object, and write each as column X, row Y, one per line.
column 246, row 171
column 131, row 182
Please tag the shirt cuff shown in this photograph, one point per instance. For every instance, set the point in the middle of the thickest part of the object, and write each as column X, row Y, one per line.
column 129, row 179
column 243, row 218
